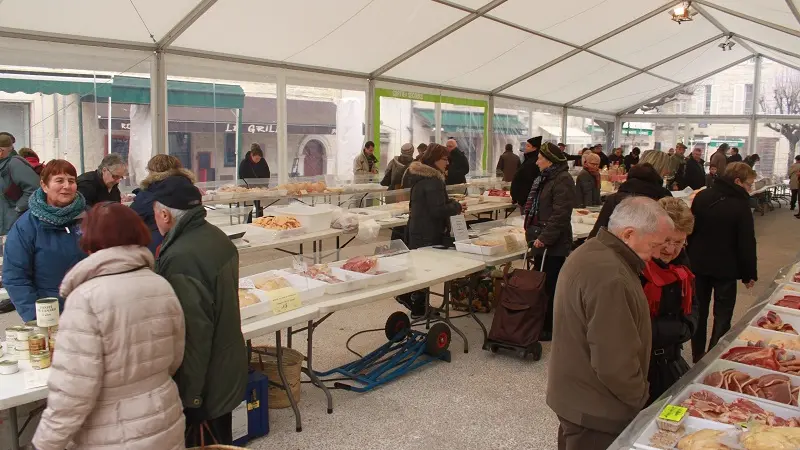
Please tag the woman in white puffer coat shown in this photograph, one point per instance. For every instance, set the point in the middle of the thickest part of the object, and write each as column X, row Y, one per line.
column 120, row 339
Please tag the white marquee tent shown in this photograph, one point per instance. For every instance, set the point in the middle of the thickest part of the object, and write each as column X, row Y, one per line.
column 603, row 57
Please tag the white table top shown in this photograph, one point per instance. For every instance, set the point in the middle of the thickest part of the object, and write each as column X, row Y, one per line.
column 486, row 207
column 12, row 387
column 261, row 239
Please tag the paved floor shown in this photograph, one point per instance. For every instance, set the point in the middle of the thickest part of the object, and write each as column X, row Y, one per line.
column 477, row 401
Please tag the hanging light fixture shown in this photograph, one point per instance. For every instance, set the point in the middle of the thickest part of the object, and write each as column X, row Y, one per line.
column 681, row 12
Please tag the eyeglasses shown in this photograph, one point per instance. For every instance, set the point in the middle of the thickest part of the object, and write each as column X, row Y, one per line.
column 113, row 175
column 675, row 244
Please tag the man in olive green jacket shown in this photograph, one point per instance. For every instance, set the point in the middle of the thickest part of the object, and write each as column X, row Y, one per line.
column 202, row 265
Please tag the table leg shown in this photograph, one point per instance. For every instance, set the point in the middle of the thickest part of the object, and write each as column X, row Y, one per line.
column 12, row 423
column 298, row 424
column 315, row 251
column 259, row 209
column 289, row 337
column 310, row 367
column 446, row 319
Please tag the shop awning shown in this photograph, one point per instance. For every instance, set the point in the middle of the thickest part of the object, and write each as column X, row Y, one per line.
column 34, row 84
column 460, row 121
column 179, row 93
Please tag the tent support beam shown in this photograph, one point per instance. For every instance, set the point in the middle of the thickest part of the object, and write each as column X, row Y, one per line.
column 436, row 38
column 772, row 47
column 688, row 83
column 792, row 66
column 564, row 117
column 722, row 28
column 754, row 106
column 185, row 23
column 75, row 40
column 158, row 105
column 554, row 105
column 748, row 17
column 592, row 43
column 646, row 69
column 794, row 9
column 370, row 113
column 283, row 141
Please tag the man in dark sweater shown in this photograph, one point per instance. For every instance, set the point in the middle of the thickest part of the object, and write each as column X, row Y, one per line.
column 102, row 185
column 459, row 164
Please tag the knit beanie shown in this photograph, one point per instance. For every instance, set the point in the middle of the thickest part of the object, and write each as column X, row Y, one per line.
column 407, row 150
column 552, row 153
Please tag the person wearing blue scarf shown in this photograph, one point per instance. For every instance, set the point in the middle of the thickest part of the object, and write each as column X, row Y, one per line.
column 42, row 246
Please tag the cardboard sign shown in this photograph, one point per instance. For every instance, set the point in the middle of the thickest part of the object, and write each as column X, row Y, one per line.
column 459, row 226
column 673, row 413
column 284, row 300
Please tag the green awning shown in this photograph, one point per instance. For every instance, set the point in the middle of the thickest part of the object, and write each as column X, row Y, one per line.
column 179, row 93
column 730, row 142
column 460, row 121
column 55, row 85
column 128, row 90
column 637, row 131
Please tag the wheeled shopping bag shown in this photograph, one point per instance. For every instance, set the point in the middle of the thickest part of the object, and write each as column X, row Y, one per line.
column 519, row 317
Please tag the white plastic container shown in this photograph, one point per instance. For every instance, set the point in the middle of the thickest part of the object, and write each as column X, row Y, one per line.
column 782, row 291
column 351, row 281
column 312, row 218
column 494, row 199
column 786, row 317
column 770, row 336
column 690, row 425
column 393, row 272
column 470, row 247
column 273, row 235
column 754, row 372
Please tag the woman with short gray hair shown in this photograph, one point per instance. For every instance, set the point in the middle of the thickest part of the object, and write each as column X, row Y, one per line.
column 102, row 185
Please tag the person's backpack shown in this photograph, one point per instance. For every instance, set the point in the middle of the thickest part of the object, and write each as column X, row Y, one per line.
column 397, row 175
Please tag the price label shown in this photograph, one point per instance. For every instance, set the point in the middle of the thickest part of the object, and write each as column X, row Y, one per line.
column 459, row 226
column 673, row 413
column 239, row 421
column 246, row 283
column 513, row 244
column 284, row 300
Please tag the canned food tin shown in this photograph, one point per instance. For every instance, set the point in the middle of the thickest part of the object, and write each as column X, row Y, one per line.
column 24, row 333
column 37, row 343
column 51, row 331
column 47, row 312
column 40, row 360
column 36, row 328
column 8, row 367
column 11, row 340
column 51, row 344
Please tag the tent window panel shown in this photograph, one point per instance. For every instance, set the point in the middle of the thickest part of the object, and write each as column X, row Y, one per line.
column 738, row 99
column 748, row 98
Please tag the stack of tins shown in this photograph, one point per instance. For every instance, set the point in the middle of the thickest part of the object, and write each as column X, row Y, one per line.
column 34, row 341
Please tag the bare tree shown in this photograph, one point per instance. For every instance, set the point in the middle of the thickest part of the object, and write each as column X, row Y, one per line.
column 785, row 100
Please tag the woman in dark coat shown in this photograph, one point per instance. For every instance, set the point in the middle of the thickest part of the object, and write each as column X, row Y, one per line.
column 722, row 249
column 548, row 221
column 669, row 287
column 644, row 180
column 254, row 165
column 430, row 210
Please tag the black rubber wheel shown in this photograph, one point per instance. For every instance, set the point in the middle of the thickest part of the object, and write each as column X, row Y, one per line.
column 493, row 348
column 438, row 339
column 397, row 323
column 536, row 351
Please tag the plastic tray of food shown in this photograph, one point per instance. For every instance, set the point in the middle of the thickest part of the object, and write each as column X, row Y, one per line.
column 312, row 218
column 714, row 375
column 768, row 337
column 654, row 439
column 493, row 196
column 308, row 288
column 371, row 213
column 482, row 246
column 272, row 235
column 380, row 270
column 347, row 281
column 774, row 319
column 786, row 299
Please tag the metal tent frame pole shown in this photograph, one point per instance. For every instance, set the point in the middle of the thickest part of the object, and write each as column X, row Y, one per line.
column 754, row 112
column 158, row 105
column 283, row 138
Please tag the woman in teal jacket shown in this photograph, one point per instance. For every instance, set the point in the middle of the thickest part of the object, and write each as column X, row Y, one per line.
column 42, row 245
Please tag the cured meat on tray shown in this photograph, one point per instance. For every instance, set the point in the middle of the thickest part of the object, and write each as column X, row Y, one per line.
column 773, row 387
column 707, row 405
column 361, row 264
column 790, row 301
column 765, row 357
column 319, row 272
column 772, row 321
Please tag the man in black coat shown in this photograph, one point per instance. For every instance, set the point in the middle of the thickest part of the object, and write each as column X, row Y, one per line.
column 722, row 250
column 459, row 164
column 523, row 180
column 604, row 161
column 102, row 185
column 694, row 174
column 735, row 156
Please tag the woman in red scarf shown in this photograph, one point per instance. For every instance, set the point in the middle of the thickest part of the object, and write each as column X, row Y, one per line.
column 669, row 287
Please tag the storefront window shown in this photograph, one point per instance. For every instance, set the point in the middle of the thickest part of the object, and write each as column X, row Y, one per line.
column 325, row 130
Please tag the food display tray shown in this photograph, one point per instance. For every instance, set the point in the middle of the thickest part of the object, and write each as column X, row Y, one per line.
column 753, row 371
column 783, row 290
column 272, row 235
column 312, row 218
column 470, row 247
column 769, row 335
column 307, row 288
column 496, row 199
column 691, row 425
column 785, row 316
column 393, row 272
column 352, row 281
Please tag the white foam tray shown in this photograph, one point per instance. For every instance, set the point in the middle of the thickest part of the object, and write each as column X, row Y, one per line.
column 307, row 288
column 351, row 281
column 493, row 199
column 789, row 318
column 783, row 290
column 754, row 372
column 394, row 272
column 272, row 235
column 312, row 218
column 690, row 425
column 469, row 247
column 769, row 335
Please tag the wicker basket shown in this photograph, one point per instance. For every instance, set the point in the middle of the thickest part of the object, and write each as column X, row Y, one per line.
column 268, row 365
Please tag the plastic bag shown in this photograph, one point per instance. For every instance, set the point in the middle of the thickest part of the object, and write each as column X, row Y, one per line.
column 347, row 222
column 368, row 230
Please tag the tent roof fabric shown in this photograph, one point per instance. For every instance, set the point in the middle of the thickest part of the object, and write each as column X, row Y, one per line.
column 488, row 47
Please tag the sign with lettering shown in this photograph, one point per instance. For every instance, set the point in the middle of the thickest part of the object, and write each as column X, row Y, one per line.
column 284, row 300
column 459, row 225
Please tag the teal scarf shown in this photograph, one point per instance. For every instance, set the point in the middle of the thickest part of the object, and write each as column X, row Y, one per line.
column 53, row 215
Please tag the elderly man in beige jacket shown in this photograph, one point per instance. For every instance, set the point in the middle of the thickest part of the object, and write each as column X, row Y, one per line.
column 597, row 379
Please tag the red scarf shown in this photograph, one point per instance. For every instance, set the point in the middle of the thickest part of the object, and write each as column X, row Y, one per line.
column 657, row 277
